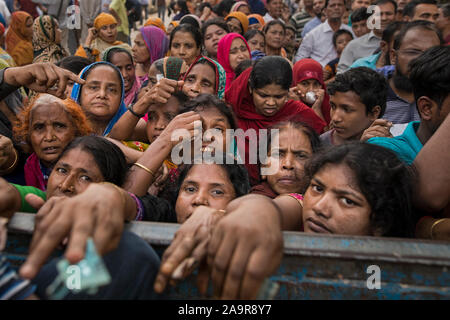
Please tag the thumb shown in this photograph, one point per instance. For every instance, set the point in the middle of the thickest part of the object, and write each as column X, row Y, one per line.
column 34, row 201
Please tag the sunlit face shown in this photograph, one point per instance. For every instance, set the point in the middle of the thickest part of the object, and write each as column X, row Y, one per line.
column 140, row 50
column 269, row 99
column 307, row 85
column 275, row 36
column 348, row 115
column 342, row 41
column 333, row 203
column 73, row 173
column 159, row 116
column 360, row 28
column 427, row 12
column 204, row 185
column 108, row 33
column 257, row 43
column 51, row 130
column 293, row 152
column 184, row 47
column 123, row 61
column 201, row 79
column 211, row 40
column 101, row 94
column 238, row 53
column 234, row 25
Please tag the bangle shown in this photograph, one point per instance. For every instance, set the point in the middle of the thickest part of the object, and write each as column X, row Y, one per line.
column 122, row 195
column 13, row 164
column 130, row 108
column 145, row 168
column 434, row 225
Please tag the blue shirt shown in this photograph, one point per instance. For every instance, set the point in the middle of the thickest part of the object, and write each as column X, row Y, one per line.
column 311, row 24
column 369, row 62
column 406, row 146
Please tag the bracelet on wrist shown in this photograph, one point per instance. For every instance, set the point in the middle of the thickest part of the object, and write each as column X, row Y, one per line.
column 134, row 113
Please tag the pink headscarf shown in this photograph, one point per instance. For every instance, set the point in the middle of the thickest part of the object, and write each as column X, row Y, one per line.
column 223, row 54
column 156, row 41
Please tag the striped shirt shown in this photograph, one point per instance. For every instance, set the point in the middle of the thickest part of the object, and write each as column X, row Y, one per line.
column 12, row 287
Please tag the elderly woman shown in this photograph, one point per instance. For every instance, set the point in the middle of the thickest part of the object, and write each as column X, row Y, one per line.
column 46, row 40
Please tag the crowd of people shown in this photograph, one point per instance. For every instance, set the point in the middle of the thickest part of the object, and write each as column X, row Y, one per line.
column 235, row 119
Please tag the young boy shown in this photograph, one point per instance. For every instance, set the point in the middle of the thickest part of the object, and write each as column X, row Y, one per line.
column 340, row 40
column 357, row 101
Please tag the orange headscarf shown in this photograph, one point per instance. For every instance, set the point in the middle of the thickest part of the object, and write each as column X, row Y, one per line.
column 104, row 19
column 157, row 22
column 18, row 41
column 241, row 17
column 257, row 17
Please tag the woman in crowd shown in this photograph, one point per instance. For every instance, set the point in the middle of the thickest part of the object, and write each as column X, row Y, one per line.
column 310, row 88
column 181, row 9
column 241, row 6
column 191, row 19
column 274, row 33
column 123, row 60
column 232, row 50
column 256, row 40
column 157, row 22
column 237, row 22
column 101, row 97
column 19, row 38
column 255, row 21
column 47, row 126
column 260, row 99
column 47, row 40
column 296, row 143
column 186, row 43
column 102, row 36
column 150, row 44
column 213, row 30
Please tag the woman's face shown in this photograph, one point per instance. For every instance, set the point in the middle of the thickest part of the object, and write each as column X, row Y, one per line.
column 28, row 29
column 293, row 152
column 257, row 43
column 307, row 85
column 184, row 47
column 201, row 79
column 204, row 185
column 234, row 25
column 214, row 126
column 275, row 36
column 269, row 99
column 139, row 50
column 51, row 130
column 101, row 94
column 123, row 61
column 159, row 116
column 211, row 41
column 245, row 10
column 73, row 173
column 333, row 203
column 108, row 33
column 238, row 53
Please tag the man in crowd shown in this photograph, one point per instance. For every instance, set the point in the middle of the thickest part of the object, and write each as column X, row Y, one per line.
column 421, row 10
column 274, row 8
column 304, row 16
column 318, row 6
column 443, row 22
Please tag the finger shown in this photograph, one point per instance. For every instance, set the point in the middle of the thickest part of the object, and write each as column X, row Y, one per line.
column 45, row 217
column 52, row 77
column 221, row 262
column 108, row 233
column 35, row 201
column 203, row 278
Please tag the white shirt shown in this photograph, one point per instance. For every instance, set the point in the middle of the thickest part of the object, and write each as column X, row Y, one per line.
column 267, row 18
column 318, row 44
column 5, row 12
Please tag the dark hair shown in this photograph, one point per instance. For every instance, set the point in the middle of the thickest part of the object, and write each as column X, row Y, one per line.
column 410, row 8
column 252, row 33
column 107, row 156
column 220, row 22
column 369, row 85
column 242, row 66
column 420, row 24
column 359, row 14
column 391, row 29
column 272, row 23
column 340, row 32
column 446, row 9
column 384, row 180
column 181, row 97
column 74, row 63
column 205, row 101
column 327, row 1
column 195, row 32
column 223, row 6
column 387, row 1
column 183, row 6
column 113, row 51
column 430, row 74
column 190, row 20
column 271, row 70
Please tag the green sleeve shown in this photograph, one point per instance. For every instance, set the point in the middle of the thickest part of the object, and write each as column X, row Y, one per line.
column 24, row 190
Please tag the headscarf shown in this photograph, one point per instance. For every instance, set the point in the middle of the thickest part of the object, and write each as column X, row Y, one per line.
column 17, row 44
column 172, row 67
column 131, row 94
column 156, row 41
column 44, row 36
column 237, row 5
column 76, row 94
column 238, row 95
column 220, row 75
column 223, row 54
column 192, row 16
column 157, row 22
column 306, row 69
column 104, row 19
column 241, row 17
column 256, row 18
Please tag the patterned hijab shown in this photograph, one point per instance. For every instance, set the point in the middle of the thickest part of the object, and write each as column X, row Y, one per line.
column 221, row 76
column 171, row 67
column 18, row 42
column 156, row 41
column 76, row 93
column 44, row 37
